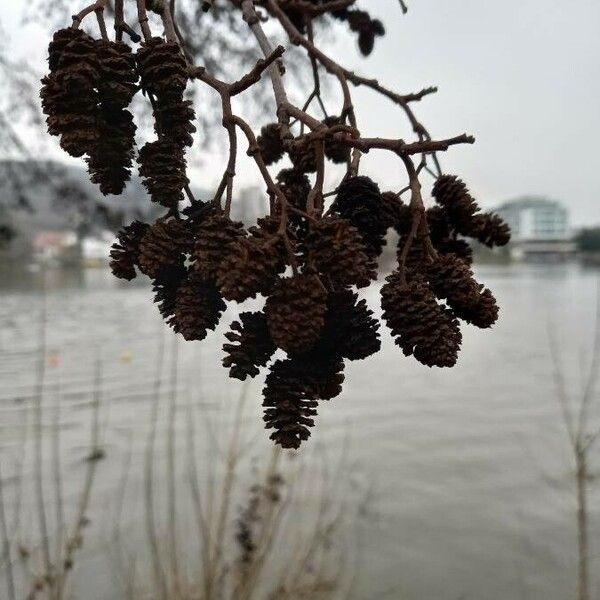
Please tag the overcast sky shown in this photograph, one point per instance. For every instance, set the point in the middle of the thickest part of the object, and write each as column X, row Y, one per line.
column 523, row 76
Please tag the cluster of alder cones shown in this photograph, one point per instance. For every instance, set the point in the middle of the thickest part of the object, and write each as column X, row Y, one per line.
column 305, row 262
column 85, row 98
column 358, row 21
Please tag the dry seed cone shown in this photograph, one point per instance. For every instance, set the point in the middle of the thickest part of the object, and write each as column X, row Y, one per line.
column 296, row 312
column 164, row 244
column 163, row 168
column 165, row 287
column 452, row 194
column 111, row 158
column 336, row 249
column 198, row 308
column 162, row 67
column 118, row 77
column 250, row 345
column 420, row 326
column 124, row 252
column 270, row 143
column 359, row 201
column 250, row 266
column 213, row 238
column 289, row 403
column 335, row 151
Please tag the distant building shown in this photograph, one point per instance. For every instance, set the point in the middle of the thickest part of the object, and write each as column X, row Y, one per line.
column 539, row 227
column 51, row 246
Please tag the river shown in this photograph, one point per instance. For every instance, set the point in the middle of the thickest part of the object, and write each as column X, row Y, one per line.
column 464, row 476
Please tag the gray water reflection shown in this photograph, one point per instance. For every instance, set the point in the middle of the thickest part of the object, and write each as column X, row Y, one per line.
column 469, row 468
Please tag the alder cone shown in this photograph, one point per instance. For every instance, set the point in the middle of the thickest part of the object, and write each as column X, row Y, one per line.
column 323, row 368
column 303, row 157
column 296, row 312
column 213, row 237
column 250, row 345
column 452, row 194
column 110, row 160
column 124, row 252
column 198, row 211
column 289, row 403
column 350, row 327
column 164, row 244
column 250, row 267
column 270, row 143
column 417, row 258
column 490, row 229
column 68, row 94
column 198, row 308
column 337, row 250
column 452, row 280
column 59, row 42
column 483, row 313
column 266, row 231
column 458, row 248
column 162, row 165
column 162, row 67
column 421, row 326
column 175, row 117
column 295, row 186
column 395, row 213
column 78, row 67
column 367, row 28
column 118, row 77
column 335, row 151
column 165, row 287
column 438, row 223
column 359, row 201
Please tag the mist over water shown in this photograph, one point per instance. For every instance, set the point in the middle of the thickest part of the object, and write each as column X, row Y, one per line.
column 467, row 471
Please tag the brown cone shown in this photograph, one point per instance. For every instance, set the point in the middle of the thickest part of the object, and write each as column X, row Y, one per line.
column 162, row 67
column 68, row 93
column 295, row 186
column 250, row 345
column 459, row 248
column 270, row 143
column 250, row 267
column 60, row 40
column 335, row 150
column 213, row 238
column 289, row 402
column 163, row 245
column 490, row 229
column 296, row 312
column 395, row 213
column 163, row 167
column 420, row 325
column 198, row 308
column 110, row 160
column 350, row 328
column 438, row 223
column 175, row 119
column 124, row 252
column 359, row 201
column 451, row 279
column 165, row 287
column 304, row 158
column 336, row 249
column 118, row 77
column 452, row 194
column 483, row 313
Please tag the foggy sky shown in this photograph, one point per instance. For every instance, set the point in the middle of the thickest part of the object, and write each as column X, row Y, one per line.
column 522, row 76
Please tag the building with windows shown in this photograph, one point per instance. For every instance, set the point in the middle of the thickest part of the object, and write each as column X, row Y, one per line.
column 539, row 226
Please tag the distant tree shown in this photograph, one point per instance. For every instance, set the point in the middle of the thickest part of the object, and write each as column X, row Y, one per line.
column 588, row 240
